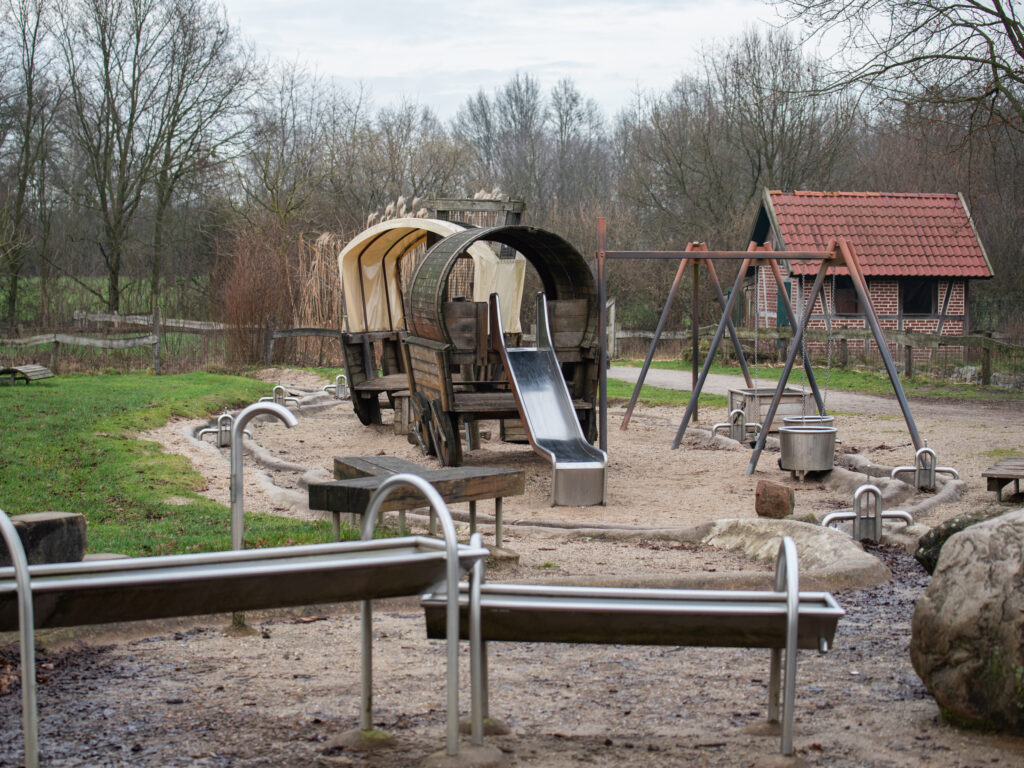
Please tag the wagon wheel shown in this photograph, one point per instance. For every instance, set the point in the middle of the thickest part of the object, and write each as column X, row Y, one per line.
column 423, row 430
column 449, row 443
column 366, row 408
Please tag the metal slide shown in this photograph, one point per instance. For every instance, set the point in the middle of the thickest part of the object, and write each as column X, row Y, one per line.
column 545, row 406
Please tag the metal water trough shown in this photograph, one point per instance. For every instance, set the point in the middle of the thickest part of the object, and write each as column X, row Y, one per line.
column 807, row 448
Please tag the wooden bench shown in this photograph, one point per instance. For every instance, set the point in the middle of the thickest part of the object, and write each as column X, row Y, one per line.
column 1007, row 471
column 358, row 477
column 782, row 620
column 26, row 373
column 85, row 593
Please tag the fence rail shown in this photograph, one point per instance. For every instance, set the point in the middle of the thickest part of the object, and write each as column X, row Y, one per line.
column 997, row 361
column 974, row 356
column 59, row 339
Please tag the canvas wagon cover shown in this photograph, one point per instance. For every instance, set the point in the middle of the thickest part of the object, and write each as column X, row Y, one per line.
column 371, row 283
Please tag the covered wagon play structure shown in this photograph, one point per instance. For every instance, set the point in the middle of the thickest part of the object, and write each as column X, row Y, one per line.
column 375, row 266
column 433, row 328
column 465, row 364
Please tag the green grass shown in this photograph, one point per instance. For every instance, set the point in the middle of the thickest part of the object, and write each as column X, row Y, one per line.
column 619, row 393
column 1003, row 453
column 68, row 445
column 852, row 380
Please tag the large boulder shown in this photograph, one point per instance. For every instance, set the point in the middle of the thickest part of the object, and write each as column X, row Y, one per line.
column 930, row 545
column 48, row 537
column 967, row 635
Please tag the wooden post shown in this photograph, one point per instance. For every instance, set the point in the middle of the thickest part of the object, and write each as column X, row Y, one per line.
column 908, row 361
column 695, row 341
column 268, row 341
column 55, row 355
column 156, row 344
column 986, row 366
column 844, row 353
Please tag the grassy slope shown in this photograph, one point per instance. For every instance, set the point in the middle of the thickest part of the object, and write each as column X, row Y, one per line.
column 67, row 445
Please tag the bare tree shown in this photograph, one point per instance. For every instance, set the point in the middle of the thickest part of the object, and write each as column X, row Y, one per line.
column 968, row 53
column 285, row 164
column 701, row 154
column 117, row 55
column 211, row 77
column 30, row 107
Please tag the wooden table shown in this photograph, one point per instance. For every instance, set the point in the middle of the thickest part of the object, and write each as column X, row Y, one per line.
column 358, row 477
column 1006, row 471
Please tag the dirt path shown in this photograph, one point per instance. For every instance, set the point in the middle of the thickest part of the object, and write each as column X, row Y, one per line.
column 182, row 696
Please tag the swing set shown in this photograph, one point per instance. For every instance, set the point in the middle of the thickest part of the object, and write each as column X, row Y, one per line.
column 839, row 254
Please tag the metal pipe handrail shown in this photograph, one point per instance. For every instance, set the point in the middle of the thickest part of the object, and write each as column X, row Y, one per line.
column 26, row 636
column 438, row 506
column 237, row 428
column 787, row 579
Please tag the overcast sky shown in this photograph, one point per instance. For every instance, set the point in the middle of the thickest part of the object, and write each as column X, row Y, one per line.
column 439, row 52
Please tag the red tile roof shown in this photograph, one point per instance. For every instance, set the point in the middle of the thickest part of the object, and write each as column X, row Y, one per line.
column 893, row 234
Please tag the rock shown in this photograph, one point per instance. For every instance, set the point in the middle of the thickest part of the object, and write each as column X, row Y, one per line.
column 48, row 537
column 826, row 557
column 774, row 500
column 930, row 545
column 967, row 634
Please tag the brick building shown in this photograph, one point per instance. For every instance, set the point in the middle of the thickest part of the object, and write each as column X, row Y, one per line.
column 918, row 253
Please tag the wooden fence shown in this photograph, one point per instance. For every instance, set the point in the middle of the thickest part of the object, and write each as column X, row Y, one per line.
column 59, row 339
column 158, row 326
column 903, row 345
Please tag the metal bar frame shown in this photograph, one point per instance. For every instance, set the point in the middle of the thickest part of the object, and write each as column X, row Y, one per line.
column 242, row 418
column 782, row 677
column 861, row 285
column 691, row 406
column 798, row 334
column 602, row 334
column 738, row 255
column 812, row 382
column 26, row 636
column 437, row 506
column 26, row 621
column 695, row 254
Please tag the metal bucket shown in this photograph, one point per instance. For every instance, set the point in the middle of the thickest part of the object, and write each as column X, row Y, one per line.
column 809, row 421
column 807, row 448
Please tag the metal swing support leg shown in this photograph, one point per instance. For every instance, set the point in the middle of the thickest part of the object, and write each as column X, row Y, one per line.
column 798, row 336
column 654, row 342
column 784, row 297
column 732, row 328
column 726, row 312
column 861, row 286
column 694, row 248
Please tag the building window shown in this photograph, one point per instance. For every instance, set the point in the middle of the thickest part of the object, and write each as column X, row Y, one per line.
column 919, row 297
column 847, row 302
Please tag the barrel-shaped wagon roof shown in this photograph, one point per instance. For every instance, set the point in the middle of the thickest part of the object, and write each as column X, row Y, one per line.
column 563, row 272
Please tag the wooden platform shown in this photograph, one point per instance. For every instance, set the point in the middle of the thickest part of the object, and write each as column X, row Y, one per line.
column 26, row 373
column 393, row 382
column 357, row 477
column 1007, row 471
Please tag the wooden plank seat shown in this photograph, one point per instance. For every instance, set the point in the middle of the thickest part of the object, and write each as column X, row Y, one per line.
column 782, row 620
column 26, row 373
column 392, row 382
column 86, row 593
column 358, row 477
column 1001, row 474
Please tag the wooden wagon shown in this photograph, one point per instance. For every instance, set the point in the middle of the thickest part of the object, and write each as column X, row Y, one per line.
column 454, row 367
column 374, row 267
